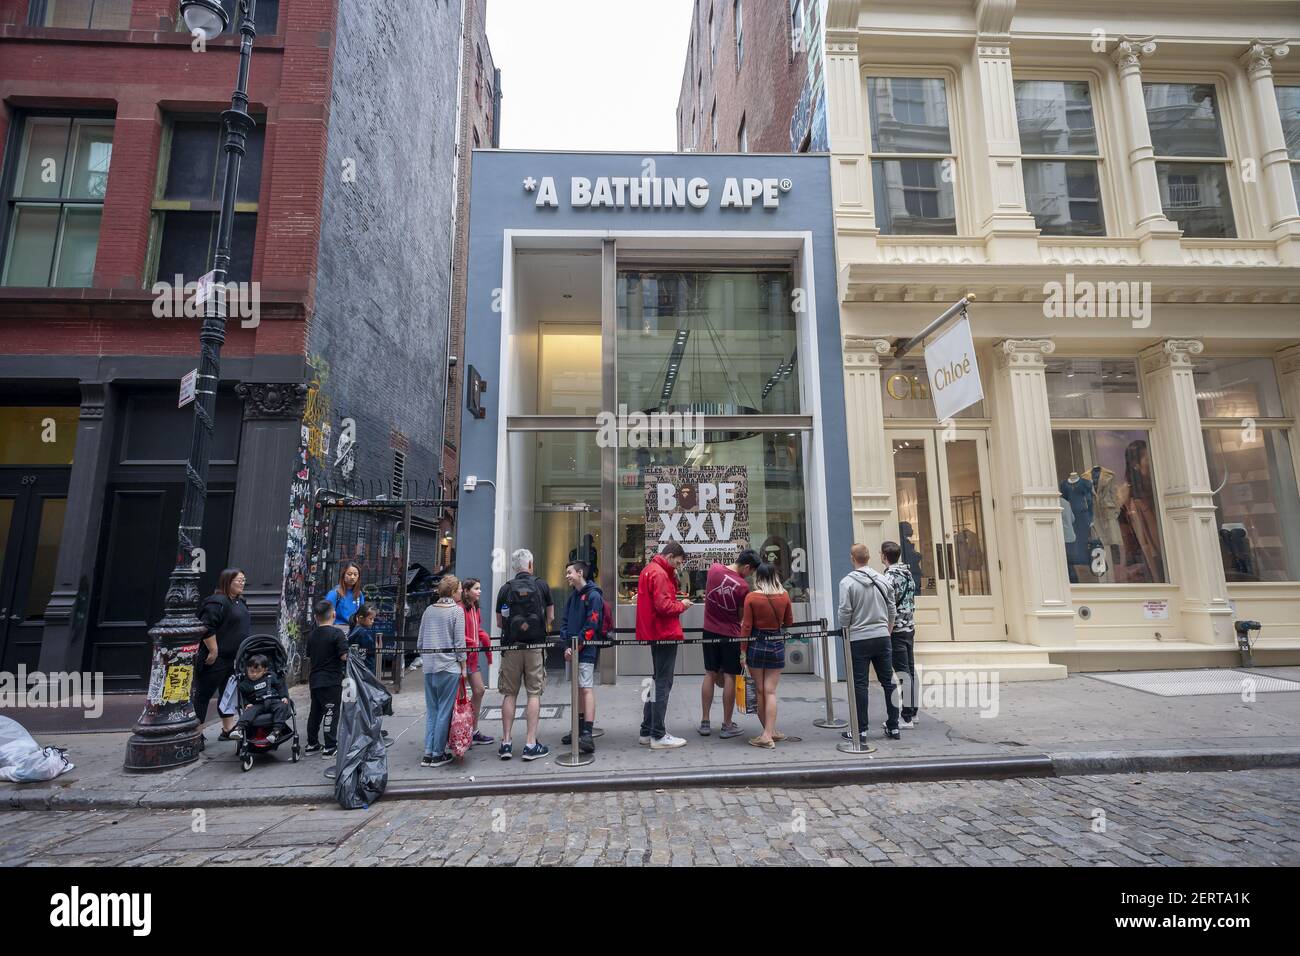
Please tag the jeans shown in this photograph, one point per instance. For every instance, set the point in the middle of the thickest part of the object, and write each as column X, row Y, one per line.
column 877, row 652
column 326, row 708
column 904, row 647
column 664, row 658
column 439, row 695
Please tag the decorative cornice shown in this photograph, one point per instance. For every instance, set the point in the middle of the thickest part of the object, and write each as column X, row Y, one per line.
column 1022, row 353
column 1171, row 353
column 864, row 350
column 273, row 400
column 1129, row 51
column 842, row 47
column 1259, row 56
column 1288, row 360
column 994, row 49
column 993, row 20
column 94, row 396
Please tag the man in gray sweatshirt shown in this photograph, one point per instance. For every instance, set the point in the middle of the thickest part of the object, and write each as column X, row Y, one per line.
column 867, row 613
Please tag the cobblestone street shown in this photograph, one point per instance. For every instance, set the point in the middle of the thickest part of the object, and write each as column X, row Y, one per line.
column 1151, row 819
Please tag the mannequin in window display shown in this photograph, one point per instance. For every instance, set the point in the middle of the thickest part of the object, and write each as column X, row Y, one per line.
column 1140, row 506
column 1077, row 490
column 1067, row 528
column 1106, row 506
column 1234, row 543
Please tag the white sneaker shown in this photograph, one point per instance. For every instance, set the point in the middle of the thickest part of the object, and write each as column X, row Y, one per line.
column 906, row 724
column 667, row 742
column 644, row 741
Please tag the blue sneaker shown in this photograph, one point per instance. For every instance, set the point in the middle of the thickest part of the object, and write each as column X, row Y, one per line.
column 538, row 749
column 505, row 751
column 481, row 739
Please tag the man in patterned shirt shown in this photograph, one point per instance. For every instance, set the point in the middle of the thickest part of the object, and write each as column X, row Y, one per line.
column 903, row 636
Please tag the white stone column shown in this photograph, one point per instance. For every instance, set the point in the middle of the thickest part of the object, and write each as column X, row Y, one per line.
column 855, row 209
column 1009, row 230
column 1036, row 574
column 1274, row 164
column 871, row 468
column 1191, row 554
column 1157, row 236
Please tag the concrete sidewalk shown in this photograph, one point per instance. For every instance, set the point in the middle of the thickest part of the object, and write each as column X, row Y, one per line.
column 1077, row 725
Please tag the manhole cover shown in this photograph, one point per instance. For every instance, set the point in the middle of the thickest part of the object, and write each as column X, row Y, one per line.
column 546, row 712
column 1199, row 683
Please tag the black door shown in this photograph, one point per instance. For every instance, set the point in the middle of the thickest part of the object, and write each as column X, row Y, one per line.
column 33, row 502
column 136, row 556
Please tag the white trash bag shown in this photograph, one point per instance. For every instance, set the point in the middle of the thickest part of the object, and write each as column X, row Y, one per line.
column 23, row 760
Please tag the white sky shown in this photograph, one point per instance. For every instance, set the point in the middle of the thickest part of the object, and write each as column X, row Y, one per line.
column 589, row 74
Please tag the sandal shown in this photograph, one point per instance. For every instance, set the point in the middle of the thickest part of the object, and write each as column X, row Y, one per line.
column 760, row 742
column 778, row 736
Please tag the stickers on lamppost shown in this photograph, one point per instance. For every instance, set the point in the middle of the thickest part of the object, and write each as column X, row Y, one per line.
column 952, row 370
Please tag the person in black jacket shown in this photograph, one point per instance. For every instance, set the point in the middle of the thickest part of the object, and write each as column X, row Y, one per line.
column 225, row 615
column 263, row 693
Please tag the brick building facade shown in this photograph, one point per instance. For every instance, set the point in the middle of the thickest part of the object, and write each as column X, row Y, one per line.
column 347, row 197
column 746, row 68
column 480, row 111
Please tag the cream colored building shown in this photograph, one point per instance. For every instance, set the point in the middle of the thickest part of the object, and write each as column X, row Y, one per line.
column 1115, row 182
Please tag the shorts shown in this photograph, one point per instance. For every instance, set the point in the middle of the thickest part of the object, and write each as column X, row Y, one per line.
column 526, row 666
column 586, row 675
column 766, row 654
column 723, row 657
column 471, row 662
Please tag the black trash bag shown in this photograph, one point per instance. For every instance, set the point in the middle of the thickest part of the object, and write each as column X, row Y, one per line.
column 361, row 769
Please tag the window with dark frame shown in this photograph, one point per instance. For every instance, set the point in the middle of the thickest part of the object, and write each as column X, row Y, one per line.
column 188, row 201
column 81, row 14
column 56, row 200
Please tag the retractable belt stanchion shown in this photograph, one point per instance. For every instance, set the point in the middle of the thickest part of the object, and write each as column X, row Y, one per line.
column 854, row 745
column 574, row 758
column 830, row 721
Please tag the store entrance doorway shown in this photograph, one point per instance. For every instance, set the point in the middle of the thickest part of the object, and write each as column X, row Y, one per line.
column 576, row 526
column 945, row 526
column 32, row 505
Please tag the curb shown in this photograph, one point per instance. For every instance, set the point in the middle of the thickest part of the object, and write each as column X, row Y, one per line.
column 821, row 774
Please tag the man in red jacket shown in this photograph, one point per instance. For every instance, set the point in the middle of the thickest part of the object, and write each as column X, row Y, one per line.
column 658, row 618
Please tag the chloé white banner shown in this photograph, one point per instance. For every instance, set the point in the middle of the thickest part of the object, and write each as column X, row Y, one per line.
column 954, row 375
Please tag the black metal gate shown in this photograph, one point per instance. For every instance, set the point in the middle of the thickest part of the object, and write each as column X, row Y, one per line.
column 396, row 545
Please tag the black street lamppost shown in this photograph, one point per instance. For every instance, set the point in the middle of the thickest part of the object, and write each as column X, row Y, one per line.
column 167, row 733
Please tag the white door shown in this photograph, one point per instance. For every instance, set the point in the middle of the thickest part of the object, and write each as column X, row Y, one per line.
column 945, row 526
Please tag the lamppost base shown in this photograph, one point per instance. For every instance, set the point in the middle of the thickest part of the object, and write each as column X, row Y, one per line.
column 848, row 747
column 145, row 754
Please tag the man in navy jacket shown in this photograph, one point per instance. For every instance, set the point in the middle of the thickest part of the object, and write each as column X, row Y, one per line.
column 584, row 617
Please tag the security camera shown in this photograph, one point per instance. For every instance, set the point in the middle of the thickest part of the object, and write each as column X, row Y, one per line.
column 452, row 360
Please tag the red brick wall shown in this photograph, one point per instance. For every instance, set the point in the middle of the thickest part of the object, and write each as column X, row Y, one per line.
column 766, row 89
column 140, row 76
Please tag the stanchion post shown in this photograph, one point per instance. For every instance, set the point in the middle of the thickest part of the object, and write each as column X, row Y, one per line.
column 574, row 758
column 855, row 744
column 830, row 721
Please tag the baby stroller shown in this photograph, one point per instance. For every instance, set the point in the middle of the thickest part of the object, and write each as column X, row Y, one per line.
column 255, row 740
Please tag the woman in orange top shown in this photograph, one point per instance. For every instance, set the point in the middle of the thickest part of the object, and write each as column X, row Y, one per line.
column 767, row 612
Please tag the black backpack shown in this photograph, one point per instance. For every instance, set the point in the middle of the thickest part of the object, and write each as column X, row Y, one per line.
column 526, row 622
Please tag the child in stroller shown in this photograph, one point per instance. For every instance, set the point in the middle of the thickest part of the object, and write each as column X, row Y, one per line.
column 266, row 715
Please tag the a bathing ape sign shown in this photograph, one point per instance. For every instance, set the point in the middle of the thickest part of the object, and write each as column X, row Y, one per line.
column 705, row 510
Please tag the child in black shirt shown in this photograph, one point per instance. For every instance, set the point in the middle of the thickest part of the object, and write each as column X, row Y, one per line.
column 266, row 693
column 327, row 650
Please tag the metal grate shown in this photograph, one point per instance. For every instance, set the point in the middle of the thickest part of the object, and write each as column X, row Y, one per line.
column 546, row 712
column 1195, row 683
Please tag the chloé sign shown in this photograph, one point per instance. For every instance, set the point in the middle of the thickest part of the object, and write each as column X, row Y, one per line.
column 659, row 192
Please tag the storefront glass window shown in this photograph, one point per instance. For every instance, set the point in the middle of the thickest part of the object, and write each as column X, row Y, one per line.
column 708, row 342
column 767, row 507
column 905, row 392
column 1237, row 388
column 1110, row 515
column 1254, row 484
column 555, row 506
column 1093, row 388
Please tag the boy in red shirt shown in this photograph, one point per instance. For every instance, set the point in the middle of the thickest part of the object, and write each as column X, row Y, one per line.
column 724, row 600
